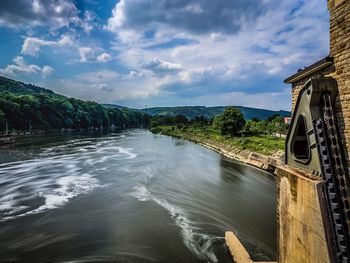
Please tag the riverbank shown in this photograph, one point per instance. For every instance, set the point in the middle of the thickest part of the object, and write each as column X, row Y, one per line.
column 260, row 151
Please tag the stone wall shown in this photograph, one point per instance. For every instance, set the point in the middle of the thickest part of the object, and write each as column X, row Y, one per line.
column 298, row 85
column 340, row 51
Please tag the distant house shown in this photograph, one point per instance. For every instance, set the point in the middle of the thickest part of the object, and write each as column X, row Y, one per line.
column 287, row 120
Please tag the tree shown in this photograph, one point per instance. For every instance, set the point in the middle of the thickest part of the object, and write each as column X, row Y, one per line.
column 277, row 125
column 200, row 121
column 217, row 122
column 180, row 119
column 232, row 121
column 270, row 118
column 255, row 127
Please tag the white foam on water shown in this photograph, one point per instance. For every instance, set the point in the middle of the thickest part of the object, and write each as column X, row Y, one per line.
column 128, row 152
column 54, row 180
column 84, row 145
column 111, row 153
column 69, row 187
column 199, row 244
column 141, row 193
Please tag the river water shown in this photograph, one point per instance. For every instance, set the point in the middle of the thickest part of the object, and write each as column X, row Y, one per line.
column 129, row 197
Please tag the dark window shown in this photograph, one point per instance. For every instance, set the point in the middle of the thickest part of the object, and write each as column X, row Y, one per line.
column 300, row 144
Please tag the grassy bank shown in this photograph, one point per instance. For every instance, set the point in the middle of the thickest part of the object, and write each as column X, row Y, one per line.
column 266, row 145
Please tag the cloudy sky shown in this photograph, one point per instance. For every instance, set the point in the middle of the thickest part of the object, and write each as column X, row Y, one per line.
column 163, row 52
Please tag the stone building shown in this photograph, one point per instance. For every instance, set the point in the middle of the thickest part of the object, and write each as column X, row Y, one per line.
column 305, row 226
column 336, row 65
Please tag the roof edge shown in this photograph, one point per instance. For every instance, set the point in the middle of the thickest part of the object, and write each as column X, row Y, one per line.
column 324, row 62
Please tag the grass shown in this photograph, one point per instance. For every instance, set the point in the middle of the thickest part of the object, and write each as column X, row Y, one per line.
column 266, row 145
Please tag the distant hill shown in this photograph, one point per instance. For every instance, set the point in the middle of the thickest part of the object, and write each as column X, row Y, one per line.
column 26, row 107
column 21, row 88
column 210, row 112
column 115, row 106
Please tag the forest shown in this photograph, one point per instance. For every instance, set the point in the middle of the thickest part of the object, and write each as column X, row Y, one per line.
column 49, row 111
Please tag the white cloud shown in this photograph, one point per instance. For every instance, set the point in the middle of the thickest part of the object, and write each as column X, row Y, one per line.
column 167, row 47
column 104, row 57
column 49, row 13
column 162, row 66
column 32, row 45
column 286, row 37
column 115, row 86
column 20, row 66
column 117, row 18
column 88, row 22
column 37, row 8
column 65, row 41
column 103, row 87
column 46, row 71
column 88, row 54
column 194, row 16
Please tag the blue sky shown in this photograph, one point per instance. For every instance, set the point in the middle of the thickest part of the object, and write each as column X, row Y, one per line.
column 163, row 53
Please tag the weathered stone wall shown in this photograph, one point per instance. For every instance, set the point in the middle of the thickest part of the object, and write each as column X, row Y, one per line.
column 340, row 51
column 301, row 231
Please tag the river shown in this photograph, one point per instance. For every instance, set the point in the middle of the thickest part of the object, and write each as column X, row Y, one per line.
column 129, row 197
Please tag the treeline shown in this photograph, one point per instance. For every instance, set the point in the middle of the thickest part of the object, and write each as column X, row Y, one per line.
column 230, row 122
column 45, row 111
column 179, row 120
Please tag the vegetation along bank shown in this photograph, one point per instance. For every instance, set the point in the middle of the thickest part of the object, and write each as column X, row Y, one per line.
column 249, row 141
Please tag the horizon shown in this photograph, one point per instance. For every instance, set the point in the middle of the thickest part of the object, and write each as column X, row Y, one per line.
column 111, row 53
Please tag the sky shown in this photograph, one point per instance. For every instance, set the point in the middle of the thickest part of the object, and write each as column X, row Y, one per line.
column 146, row 53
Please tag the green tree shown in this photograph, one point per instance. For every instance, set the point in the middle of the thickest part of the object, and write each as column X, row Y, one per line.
column 232, row 121
column 217, row 122
column 255, row 127
column 277, row 125
column 180, row 119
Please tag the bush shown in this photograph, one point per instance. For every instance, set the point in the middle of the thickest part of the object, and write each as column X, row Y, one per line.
column 156, row 130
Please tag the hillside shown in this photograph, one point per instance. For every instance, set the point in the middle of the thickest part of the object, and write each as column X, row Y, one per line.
column 18, row 87
column 210, row 112
column 26, row 107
